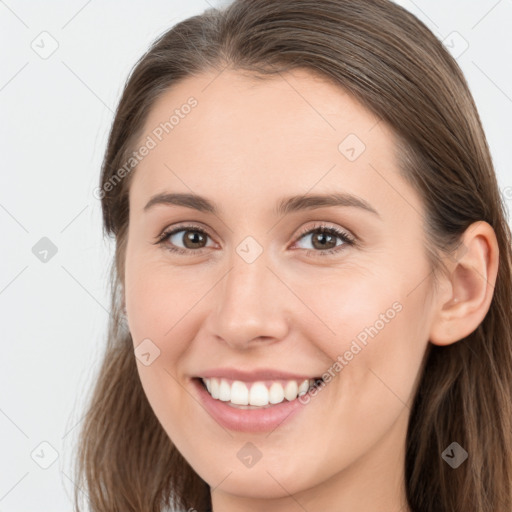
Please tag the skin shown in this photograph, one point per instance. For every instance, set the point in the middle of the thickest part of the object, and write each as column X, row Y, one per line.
column 246, row 145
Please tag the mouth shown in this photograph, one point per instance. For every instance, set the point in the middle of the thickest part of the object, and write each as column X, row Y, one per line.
column 261, row 394
column 256, row 407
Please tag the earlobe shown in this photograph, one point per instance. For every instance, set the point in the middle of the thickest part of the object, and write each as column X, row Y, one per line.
column 469, row 287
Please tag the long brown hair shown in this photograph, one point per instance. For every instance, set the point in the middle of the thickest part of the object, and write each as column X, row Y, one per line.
column 395, row 66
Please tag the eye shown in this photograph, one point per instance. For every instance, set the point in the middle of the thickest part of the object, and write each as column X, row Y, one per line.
column 324, row 238
column 193, row 239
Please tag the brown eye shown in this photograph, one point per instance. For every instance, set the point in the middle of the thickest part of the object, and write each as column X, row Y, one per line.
column 184, row 239
column 322, row 240
column 192, row 239
column 325, row 240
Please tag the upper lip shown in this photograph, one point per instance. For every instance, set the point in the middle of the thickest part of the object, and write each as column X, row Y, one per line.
column 254, row 375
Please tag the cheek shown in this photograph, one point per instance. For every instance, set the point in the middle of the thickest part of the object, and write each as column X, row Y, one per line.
column 159, row 309
column 344, row 305
column 158, row 301
column 379, row 341
column 374, row 330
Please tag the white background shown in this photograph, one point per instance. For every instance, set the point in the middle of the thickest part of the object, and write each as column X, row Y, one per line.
column 56, row 114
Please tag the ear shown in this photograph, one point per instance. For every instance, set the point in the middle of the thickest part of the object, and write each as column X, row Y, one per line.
column 468, row 289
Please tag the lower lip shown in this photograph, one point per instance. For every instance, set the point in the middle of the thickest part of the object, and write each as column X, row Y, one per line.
column 247, row 420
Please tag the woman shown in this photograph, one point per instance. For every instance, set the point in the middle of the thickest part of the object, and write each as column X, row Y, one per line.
column 311, row 291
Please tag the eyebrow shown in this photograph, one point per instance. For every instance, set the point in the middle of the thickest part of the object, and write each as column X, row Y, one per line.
column 285, row 205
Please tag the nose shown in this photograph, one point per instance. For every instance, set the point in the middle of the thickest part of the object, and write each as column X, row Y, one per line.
column 251, row 305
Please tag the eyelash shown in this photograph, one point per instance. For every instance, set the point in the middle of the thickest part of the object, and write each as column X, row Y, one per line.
column 322, row 228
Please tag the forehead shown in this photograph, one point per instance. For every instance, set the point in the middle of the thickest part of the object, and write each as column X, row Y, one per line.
column 293, row 105
column 240, row 136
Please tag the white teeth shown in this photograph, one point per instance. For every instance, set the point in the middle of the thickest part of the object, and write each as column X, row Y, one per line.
column 303, row 388
column 214, row 385
column 290, row 391
column 257, row 393
column 239, row 393
column 224, row 391
column 276, row 394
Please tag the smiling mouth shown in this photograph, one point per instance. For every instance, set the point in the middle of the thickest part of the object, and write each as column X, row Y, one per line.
column 258, row 394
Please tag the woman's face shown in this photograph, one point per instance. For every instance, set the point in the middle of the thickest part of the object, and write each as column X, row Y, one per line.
column 259, row 288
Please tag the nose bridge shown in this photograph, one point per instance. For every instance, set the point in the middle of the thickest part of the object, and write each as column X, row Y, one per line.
column 248, row 274
column 248, row 303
